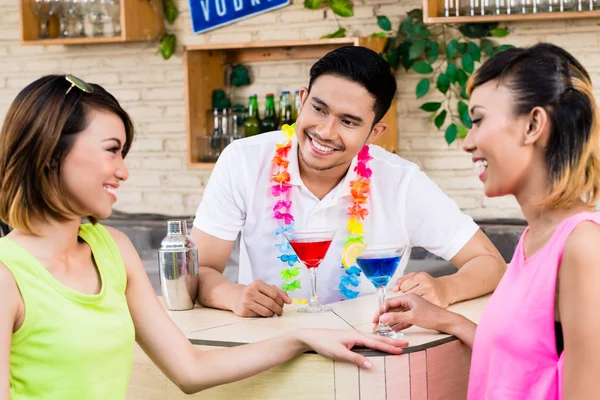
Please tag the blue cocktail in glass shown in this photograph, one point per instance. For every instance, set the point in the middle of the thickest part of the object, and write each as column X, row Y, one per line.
column 379, row 264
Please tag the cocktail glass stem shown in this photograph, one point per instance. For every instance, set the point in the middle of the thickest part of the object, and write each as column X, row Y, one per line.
column 383, row 329
column 314, row 300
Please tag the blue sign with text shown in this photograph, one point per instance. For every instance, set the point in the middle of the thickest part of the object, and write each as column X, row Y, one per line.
column 211, row 14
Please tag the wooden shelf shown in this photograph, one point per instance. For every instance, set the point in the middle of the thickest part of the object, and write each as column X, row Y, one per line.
column 205, row 72
column 140, row 21
column 433, row 9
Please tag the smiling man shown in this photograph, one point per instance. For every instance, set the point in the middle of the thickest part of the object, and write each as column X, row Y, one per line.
column 329, row 176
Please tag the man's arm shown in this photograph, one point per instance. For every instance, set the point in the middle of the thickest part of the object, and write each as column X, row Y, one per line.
column 480, row 268
column 214, row 290
column 435, row 222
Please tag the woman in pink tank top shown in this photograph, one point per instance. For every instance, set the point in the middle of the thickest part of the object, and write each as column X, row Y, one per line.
column 534, row 136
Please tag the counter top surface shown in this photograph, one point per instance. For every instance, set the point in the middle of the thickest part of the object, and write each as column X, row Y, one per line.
column 210, row 327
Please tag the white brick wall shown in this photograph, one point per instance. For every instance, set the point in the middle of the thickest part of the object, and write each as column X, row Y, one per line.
column 152, row 91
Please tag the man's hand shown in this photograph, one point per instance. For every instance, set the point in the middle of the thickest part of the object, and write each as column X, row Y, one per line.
column 260, row 299
column 424, row 285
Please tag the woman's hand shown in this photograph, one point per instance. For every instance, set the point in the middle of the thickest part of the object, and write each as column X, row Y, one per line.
column 337, row 344
column 411, row 309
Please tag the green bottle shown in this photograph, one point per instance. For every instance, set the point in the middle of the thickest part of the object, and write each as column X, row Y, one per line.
column 252, row 124
column 269, row 122
column 285, row 109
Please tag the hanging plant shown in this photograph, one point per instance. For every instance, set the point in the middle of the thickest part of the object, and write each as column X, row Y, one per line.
column 342, row 8
column 446, row 55
column 168, row 42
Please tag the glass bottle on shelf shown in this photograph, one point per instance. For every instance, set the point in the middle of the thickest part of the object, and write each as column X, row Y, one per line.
column 297, row 105
column 252, row 123
column 269, row 122
column 285, row 109
column 215, row 141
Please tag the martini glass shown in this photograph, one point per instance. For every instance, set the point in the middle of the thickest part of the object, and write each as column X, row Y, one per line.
column 311, row 247
column 379, row 263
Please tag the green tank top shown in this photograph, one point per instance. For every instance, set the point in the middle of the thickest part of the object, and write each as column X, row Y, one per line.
column 71, row 346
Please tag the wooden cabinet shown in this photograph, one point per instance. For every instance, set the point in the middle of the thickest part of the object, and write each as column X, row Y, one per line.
column 205, row 72
column 141, row 20
column 433, row 13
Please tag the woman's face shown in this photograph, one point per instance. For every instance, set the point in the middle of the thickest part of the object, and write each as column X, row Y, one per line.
column 94, row 167
column 501, row 156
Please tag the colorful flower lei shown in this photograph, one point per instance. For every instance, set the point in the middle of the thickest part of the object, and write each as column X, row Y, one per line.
column 281, row 190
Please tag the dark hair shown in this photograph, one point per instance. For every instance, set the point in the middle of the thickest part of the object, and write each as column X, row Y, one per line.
column 547, row 76
column 38, row 132
column 363, row 66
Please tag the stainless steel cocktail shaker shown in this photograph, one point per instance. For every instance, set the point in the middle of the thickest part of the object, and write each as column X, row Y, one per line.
column 178, row 265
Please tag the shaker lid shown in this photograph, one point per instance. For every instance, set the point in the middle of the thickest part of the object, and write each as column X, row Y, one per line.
column 177, row 227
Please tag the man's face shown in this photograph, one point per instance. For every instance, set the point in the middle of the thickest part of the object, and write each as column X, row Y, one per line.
column 335, row 122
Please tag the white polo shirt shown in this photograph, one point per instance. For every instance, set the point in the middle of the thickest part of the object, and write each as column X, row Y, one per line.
column 405, row 208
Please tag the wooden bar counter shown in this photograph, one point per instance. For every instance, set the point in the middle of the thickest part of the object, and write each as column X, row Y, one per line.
column 434, row 366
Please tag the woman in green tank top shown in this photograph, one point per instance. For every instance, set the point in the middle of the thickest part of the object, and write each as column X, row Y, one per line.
column 75, row 296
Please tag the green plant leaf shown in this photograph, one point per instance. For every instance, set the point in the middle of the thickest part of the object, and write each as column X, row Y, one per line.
column 450, row 133
column 403, row 51
column 167, row 45
column 312, row 4
column 406, row 26
column 452, row 48
column 420, row 31
column 440, row 119
column 432, row 52
column 464, row 94
column 422, row 87
column 499, row 32
column 474, row 51
column 451, row 72
column 343, row 8
column 384, row 23
column 393, row 58
column 377, row 34
column 170, row 10
column 416, row 13
column 467, row 63
column 461, row 131
column 461, row 77
column 337, row 34
column 422, row 68
column 417, row 49
column 463, row 112
column 477, row 30
column 487, row 46
column 431, row 107
column 443, row 83
column 504, row 47
column 240, row 76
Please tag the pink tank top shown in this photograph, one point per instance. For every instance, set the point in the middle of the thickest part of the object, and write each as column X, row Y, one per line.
column 514, row 355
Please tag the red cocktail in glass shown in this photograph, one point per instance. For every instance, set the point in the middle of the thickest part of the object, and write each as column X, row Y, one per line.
column 311, row 247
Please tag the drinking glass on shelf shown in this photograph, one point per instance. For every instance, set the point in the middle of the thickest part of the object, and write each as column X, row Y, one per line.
column 82, row 7
column 113, row 8
column 99, row 16
column 66, row 9
column 43, row 9
column 311, row 247
column 379, row 263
